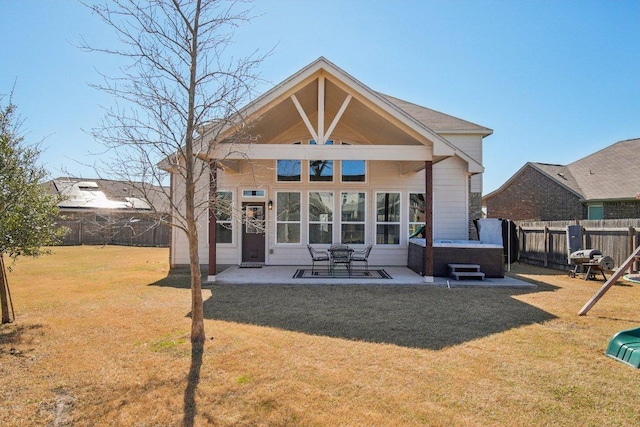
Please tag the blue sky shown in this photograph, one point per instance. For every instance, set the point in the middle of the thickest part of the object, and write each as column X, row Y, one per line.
column 555, row 80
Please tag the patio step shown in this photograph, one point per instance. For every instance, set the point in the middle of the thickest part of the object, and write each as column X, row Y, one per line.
column 465, row 271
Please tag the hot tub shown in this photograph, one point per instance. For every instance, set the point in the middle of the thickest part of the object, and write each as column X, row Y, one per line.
column 489, row 257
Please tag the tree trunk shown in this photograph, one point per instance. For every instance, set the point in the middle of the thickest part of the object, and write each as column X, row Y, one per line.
column 197, row 311
column 4, row 292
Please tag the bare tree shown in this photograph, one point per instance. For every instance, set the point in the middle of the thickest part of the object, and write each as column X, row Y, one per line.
column 178, row 81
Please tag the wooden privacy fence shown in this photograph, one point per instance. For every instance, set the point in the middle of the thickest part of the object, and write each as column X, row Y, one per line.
column 545, row 242
column 140, row 233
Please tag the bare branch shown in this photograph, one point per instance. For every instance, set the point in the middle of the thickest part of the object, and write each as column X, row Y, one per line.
column 179, row 77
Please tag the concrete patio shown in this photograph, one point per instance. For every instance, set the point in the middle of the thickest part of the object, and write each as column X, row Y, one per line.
column 401, row 276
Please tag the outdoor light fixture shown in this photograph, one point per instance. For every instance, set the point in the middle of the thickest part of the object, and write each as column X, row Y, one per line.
column 270, row 204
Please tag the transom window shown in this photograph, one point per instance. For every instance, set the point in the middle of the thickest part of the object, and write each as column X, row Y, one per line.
column 388, row 218
column 253, row 193
column 289, row 170
column 320, row 170
column 353, row 171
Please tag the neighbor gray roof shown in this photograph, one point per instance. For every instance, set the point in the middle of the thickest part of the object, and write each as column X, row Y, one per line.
column 435, row 120
column 611, row 173
column 608, row 174
column 91, row 193
column 559, row 173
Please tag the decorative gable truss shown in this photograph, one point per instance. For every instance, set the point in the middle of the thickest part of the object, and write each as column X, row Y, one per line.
column 322, row 102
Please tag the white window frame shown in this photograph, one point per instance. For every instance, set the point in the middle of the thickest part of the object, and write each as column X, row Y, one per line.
column 299, row 222
column 333, row 216
column 254, row 196
column 366, row 170
column 364, row 219
column 595, row 205
column 321, row 182
column 230, row 221
column 409, row 222
column 302, row 172
column 398, row 223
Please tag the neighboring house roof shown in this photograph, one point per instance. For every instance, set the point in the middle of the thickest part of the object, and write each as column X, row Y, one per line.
column 82, row 193
column 611, row 173
column 559, row 173
column 608, row 174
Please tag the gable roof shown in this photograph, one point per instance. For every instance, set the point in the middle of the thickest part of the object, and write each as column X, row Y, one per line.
column 437, row 121
column 611, row 173
column 372, row 116
column 559, row 173
column 607, row 174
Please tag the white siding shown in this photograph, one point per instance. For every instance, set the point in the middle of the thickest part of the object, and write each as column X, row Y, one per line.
column 180, row 246
column 450, row 212
column 472, row 146
column 450, row 209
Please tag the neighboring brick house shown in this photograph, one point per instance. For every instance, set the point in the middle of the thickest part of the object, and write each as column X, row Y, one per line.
column 603, row 185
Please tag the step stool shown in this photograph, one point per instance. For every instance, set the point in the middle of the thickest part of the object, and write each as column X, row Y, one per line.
column 465, row 271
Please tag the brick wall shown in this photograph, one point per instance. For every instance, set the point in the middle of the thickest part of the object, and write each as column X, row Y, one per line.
column 533, row 196
column 475, row 212
column 621, row 210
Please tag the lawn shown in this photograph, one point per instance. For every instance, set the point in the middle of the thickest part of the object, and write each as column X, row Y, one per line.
column 101, row 338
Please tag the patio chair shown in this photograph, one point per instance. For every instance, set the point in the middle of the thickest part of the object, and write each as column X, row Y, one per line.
column 318, row 256
column 341, row 254
column 362, row 256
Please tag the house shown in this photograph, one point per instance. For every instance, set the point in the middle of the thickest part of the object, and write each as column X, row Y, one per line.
column 602, row 185
column 99, row 211
column 330, row 160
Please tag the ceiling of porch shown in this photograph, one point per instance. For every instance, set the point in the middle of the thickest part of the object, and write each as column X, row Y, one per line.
column 359, row 124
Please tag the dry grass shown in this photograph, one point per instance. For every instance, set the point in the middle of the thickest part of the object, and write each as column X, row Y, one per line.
column 102, row 339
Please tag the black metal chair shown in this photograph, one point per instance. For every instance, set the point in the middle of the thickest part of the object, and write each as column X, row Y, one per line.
column 318, row 256
column 341, row 254
column 362, row 256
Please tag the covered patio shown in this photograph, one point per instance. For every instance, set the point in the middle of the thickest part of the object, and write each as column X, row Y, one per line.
column 322, row 159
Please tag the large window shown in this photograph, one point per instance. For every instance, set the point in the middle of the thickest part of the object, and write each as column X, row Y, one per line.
column 287, row 217
column 388, row 218
column 288, row 170
column 321, row 217
column 417, row 212
column 224, row 217
column 352, row 209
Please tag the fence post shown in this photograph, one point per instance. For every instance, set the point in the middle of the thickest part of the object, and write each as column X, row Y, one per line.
column 520, row 241
column 546, row 246
column 634, row 244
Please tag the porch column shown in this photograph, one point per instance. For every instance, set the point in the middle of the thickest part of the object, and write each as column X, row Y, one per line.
column 428, row 226
column 213, row 189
